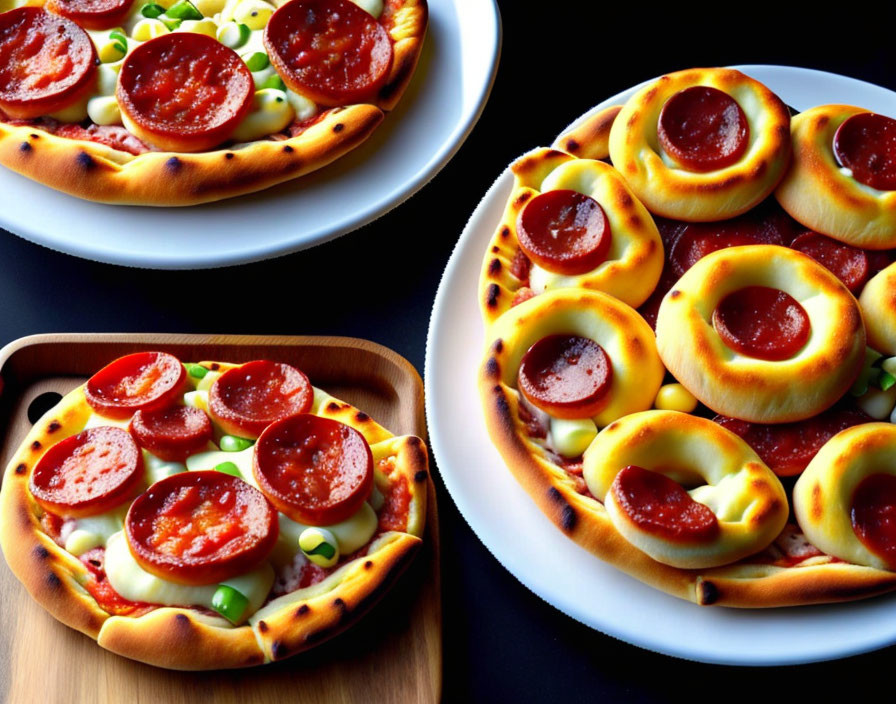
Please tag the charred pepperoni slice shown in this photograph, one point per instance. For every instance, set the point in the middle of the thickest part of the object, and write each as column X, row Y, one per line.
column 88, row 473
column 92, row 14
column 565, row 232
column 184, row 91
column 47, row 62
column 788, row 447
column 660, row 506
column 566, row 376
column 172, row 433
column 761, row 322
column 316, row 470
column 873, row 514
column 847, row 263
column 201, row 527
column 246, row 399
column 703, row 129
column 866, row 145
column 141, row 381
column 331, row 51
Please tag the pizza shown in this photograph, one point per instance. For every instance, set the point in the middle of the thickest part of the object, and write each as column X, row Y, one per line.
column 208, row 515
column 690, row 362
column 178, row 102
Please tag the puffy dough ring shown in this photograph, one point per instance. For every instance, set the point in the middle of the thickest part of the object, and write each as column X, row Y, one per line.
column 744, row 494
column 753, row 389
column 878, row 302
column 823, row 495
column 826, row 199
column 633, row 264
column 669, row 190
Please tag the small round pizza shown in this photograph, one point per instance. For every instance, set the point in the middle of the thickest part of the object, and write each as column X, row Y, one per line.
column 702, row 144
column 180, row 102
column 843, row 179
column 678, row 441
column 210, row 515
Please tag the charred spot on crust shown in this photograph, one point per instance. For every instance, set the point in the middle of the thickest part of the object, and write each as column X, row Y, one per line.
column 303, row 609
column 25, row 147
column 288, row 149
column 174, row 164
column 674, row 293
column 498, row 347
column 214, row 366
column 54, row 426
column 262, row 626
column 362, row 417
column 421, row 476
column 34, row 135
column 491, row 367
column 181, row 620
column 21, row 468
column 568, row 516
column 229, row 155
column 53, row 581
column 36, row 445
column 523, row 197
column 338, row 127
column 332, row 406
column 572, row 145
column 368, row 564
column 41, row 553
column 496, row 249
column 505, row 232
column 491, row 295
column 707, row 593
column 821, row 121
column 85, row 161
column 342, row 607
column 494, row 266
column 279, row 650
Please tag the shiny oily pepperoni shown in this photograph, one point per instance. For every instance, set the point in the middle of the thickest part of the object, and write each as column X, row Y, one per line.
column 184, row 91
column 660, row 506
column 565, row 232
column 140, row 381
column 566, row 376
column 873, row 514
column 316, row 470
column 201, row 527
column 172, row 433
column 847, row 263
column 761, row 322
column 46, row 62
column 866, row 145
column 703, row 129
column 246, row 399
column 788, row 447
column 88, row 473
column 331, row 51
column 92, row 14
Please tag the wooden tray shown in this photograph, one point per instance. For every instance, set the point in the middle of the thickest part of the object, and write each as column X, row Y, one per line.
column 393, row 655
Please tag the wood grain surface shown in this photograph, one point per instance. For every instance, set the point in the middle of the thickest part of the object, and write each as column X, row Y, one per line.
column 394, row 654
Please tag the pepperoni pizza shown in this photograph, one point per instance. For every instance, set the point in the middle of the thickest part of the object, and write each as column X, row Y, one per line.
column 210, row 515
column 178, row 102
column 729, row 455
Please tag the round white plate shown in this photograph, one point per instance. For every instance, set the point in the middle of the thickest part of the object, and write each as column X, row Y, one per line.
column 433, row 118
column 527, row 543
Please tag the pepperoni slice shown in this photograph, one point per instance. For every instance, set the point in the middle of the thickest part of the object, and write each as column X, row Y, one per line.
column 316, row 470
column 141, row 381
column 200, row 527
column 873, row 514
column 703, row 129
column 184, row 91
column 660, row 506
column 866, row 145
column 114, row 136
column 847, row 263
column 331, row 51
column 172, row 433
column 788, row 447
column 566, row 376
column 564, row 231
column 762, row 322
column 88, row 473
column 246, row 399
column 92, row 14
column 47, row 62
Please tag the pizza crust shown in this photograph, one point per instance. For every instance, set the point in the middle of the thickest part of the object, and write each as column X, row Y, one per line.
column 191, row 639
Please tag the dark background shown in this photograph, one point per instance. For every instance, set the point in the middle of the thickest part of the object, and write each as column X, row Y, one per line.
column 559, row 58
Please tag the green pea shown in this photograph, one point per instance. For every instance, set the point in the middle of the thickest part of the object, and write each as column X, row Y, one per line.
column 184, row 10
column 886, row 380
column 231, row 443
column 258, row 61
column 274, row 82
column 197, row 371
column 229, row 468
column 230, row 603
column 120, row 41
column 152, row 10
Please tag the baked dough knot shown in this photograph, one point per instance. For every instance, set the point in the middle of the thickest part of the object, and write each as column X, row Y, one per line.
column 727, row 476
column 826, row 198
column 671, row 190
column 623, row 334
column 827, row 494
column 744, row 387
column 633, row 263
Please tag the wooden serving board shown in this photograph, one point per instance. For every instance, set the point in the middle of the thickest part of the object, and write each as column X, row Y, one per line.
column 394, row 654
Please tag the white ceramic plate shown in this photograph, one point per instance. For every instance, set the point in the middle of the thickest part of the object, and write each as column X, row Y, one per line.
column 434, row 117
column 528, row 544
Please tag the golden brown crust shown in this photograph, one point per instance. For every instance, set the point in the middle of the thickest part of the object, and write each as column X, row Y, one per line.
column 190, row 639
column 591, row 139
column 878, row 302
column 101, row 173
column 753, row 389
column 706, row 196
column 825, row 199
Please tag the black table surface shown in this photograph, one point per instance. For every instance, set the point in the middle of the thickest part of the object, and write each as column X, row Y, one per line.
column 501, row 642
